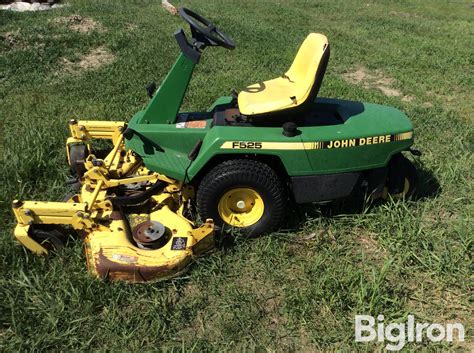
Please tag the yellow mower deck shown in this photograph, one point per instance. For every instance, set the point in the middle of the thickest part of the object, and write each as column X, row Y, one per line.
column 109, row 231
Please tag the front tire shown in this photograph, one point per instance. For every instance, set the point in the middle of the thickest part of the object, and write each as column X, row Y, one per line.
column 77, row 156
column 49, row 237
column 244, row 195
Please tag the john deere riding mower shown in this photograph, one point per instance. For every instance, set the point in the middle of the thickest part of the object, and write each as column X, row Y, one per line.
column 173, row 180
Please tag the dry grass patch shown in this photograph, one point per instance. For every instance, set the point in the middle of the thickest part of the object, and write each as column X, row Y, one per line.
column 375, row 80
column 92, row 60
column 404, row 14
column 370, row 246
column 131, row 27
column 80, row 24
column 13, row 40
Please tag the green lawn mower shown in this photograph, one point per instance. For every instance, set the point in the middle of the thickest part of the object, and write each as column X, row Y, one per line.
column 172, row 180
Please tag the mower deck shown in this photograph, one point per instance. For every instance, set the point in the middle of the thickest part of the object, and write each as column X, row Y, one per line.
column 128, row 234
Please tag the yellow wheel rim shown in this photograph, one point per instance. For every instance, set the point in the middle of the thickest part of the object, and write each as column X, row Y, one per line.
column 400, row 195
column 241, row 207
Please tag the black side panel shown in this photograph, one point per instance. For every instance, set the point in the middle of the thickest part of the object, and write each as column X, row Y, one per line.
column 376, row 181
column 326, row 187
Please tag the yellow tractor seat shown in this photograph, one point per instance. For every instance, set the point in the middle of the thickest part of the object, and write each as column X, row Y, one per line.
column 299, row 85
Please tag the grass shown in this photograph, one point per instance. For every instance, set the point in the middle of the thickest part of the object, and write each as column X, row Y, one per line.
column 282, row 292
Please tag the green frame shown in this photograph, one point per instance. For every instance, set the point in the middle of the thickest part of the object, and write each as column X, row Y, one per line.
column 164, row 144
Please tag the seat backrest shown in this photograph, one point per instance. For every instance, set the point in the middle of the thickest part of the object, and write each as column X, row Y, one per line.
column 290, row 96
column 309, row 66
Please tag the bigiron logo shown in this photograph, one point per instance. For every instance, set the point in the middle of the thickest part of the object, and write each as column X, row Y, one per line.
column 398, row 334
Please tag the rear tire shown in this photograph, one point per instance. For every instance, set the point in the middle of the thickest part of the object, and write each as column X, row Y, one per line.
column 410, row 176
column 243, row 195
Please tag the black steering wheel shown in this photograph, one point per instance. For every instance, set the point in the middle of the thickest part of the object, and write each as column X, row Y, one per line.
column 204, row 31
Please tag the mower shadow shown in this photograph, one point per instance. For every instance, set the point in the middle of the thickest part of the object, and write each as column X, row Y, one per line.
column 428, row 188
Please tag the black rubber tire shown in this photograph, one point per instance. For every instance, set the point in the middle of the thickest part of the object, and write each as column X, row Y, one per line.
column 77, row 155
column 243, row 173
column 50, row 238
column 411, row 175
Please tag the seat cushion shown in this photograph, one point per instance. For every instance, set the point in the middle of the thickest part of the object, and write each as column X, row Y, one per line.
column 291, row 89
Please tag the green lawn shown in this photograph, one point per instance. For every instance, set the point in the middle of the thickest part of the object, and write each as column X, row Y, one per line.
column 297, row 289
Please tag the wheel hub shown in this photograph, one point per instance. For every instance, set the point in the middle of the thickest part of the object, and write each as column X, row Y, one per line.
column 241, row 207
